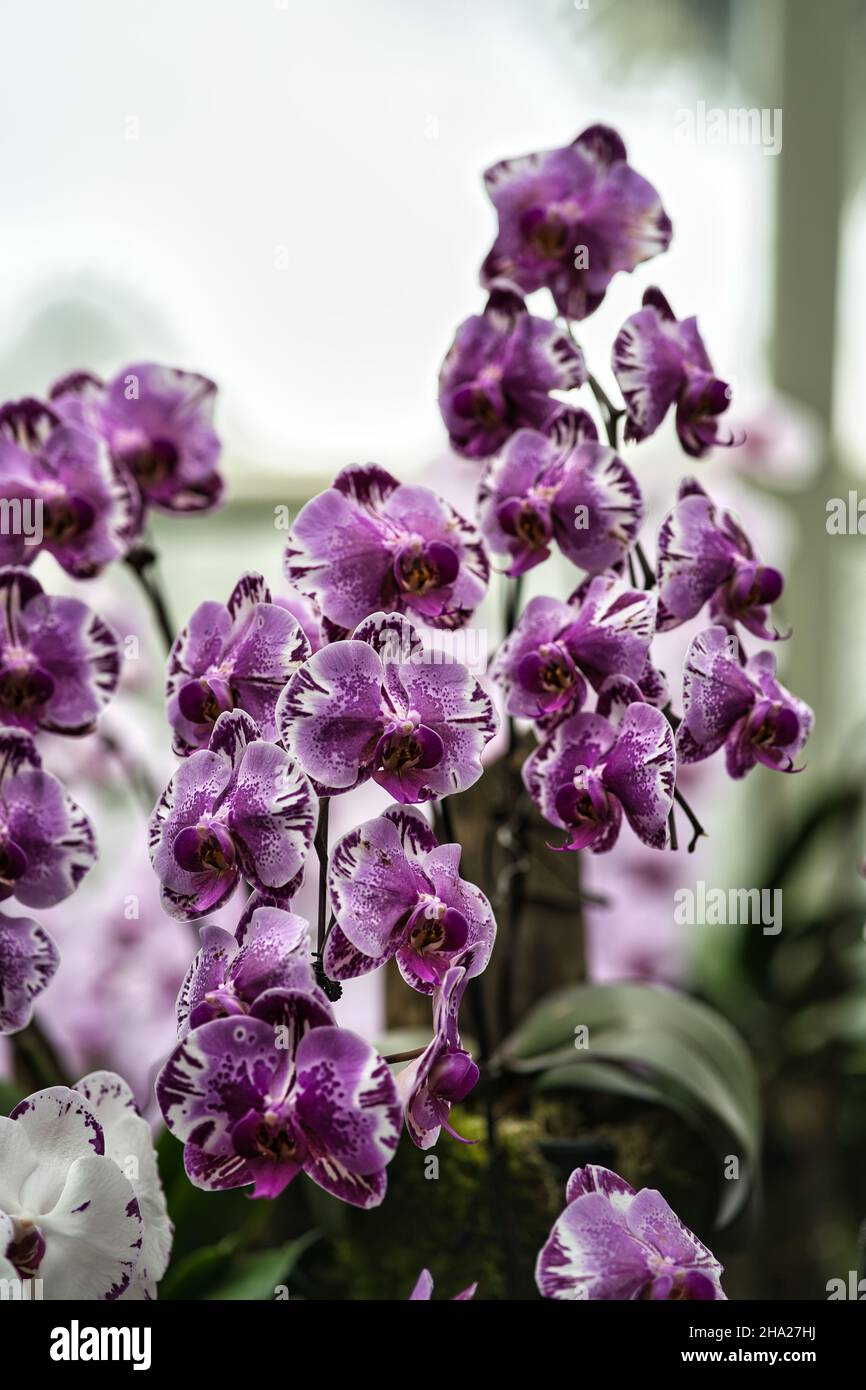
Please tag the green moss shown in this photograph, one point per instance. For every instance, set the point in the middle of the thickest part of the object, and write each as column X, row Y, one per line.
column 471, row 1222
column 477, row 1221
column 649, row 1146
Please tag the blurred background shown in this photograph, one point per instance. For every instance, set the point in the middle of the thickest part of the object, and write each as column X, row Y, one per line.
column 287, row 197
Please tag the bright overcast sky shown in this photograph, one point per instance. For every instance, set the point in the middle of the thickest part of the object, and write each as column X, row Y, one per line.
column 292, row 203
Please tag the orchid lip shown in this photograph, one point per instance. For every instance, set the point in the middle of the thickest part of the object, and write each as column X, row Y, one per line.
column 475, row 402
column 453, row 1076
column 547, row 231
column 13, row 866
column 202, row 701
column 773, row 726
column 408, row 746
column 151, row 460
column 26, row 1248
column 520, row 518
column 201, row 847
column 23, row 687
column 433, row 927
column 549, row 671
column 420, row 568
column 67, row 517
column 268, row 1134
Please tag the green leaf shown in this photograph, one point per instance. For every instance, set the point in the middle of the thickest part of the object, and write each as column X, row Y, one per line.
column 10, row 1094
column 198, row 1272
column 687, row 1055
column 599, row 1076
column 256, row 1276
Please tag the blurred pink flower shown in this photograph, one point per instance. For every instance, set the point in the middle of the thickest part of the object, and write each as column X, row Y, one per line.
column 122, row 961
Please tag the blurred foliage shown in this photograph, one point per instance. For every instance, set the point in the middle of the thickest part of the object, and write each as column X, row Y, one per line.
column 798, row 998
column 680, row 1053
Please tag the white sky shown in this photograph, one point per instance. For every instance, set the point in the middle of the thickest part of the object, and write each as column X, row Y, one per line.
column 353, row 136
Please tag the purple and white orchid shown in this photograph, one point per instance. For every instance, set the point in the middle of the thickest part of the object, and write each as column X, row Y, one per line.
column 375, row 706
column 237, row 655
column 47, row 843
column 594, row 768
column 499, row 372
column 658, row 361
column 370, row 544
column 444, row 1074
column 584, row 500
column 571, row 218
column 704, row 555
column 276, row 704
column 70, row 1214
column 396, row 892
column 59, row 662
column 240, row 807
column 74, row 501
column 158, row 424
column 307, row 614
column 228, row 975
column 259, row 1098
column 614, row 1244
column 544, row 665
column 28, row 961
column 742, row 707
column 423, row 1290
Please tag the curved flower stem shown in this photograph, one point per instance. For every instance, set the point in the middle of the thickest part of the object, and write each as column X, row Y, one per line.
column 444, row 808
column 649, row 578
column 321, row 847
column 697, row 828
column 405, row 1056
column 512, row 612
column 142, row 560
column 134, row 771
column 612, row 415
column 672, row 824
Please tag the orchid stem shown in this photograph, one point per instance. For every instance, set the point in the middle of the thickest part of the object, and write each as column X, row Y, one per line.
column 512, row 612
column 672, row 824
column 444, row 809
column 649, row 578
column 405, row 1056
column 612, row 416
column 697, row 828
column 135, row 772
column 321, row 846
column 142, row 560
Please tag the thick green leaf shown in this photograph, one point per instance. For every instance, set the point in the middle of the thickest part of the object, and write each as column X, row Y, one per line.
column 688, row 1055
column 600, row 1076
column 257, row 1276
column 10, row 1094
column 193, row 1276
